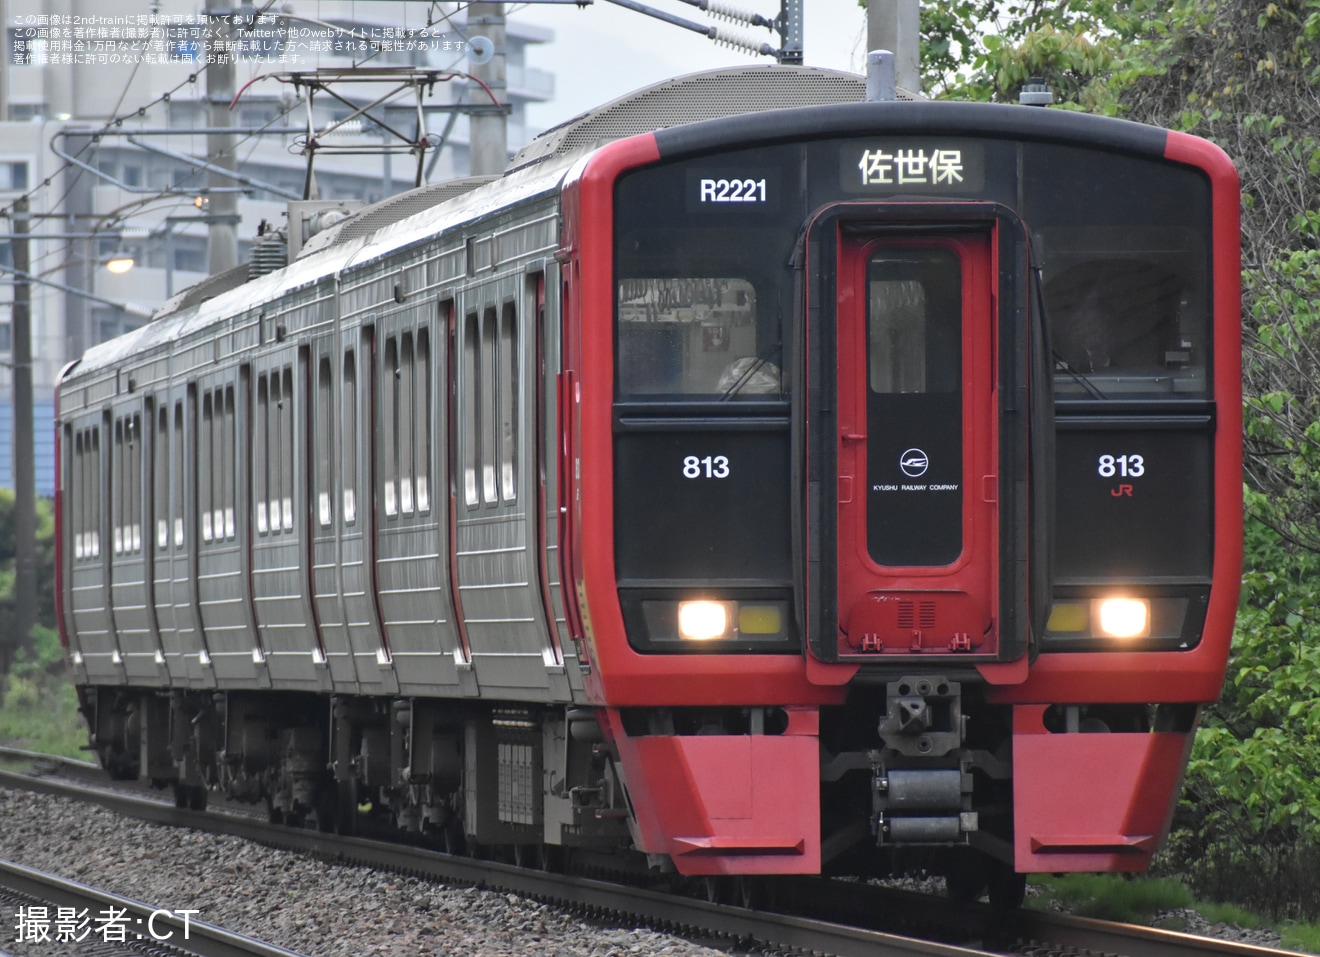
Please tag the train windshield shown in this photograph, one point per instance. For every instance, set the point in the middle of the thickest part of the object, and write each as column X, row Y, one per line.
column 695, row 337
column 703, row 281
column 1124, row 257
column 1127, row 311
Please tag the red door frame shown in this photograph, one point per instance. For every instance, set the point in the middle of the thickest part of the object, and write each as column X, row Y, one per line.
column 965, row 592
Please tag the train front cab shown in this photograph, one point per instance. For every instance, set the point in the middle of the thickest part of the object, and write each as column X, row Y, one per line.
column 915, row 491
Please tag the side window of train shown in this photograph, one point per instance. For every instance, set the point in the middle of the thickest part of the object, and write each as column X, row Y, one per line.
column 471, row 414
column 179, row 484
column 489, row 406
column 350, row 463
column 407, row 428
column 390, row 431
column 126, row 486
column 160, row 474
column 229, row 464
column 261, row 458
column 423, row 419
column 488, row 417
column 272, row 452
column 216, row 463
column 87, row 499
column 325, row 438
column 405, row 380
column 508, row 389
column 206, row 470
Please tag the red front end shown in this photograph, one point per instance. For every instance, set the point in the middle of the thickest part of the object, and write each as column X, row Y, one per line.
column 901, row 490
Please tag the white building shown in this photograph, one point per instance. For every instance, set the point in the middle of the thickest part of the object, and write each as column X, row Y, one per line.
column 137, row 188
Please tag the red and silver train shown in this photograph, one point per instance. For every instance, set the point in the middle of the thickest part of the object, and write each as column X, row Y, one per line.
column 750, row 480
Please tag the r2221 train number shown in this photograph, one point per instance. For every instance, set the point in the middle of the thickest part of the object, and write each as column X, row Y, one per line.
column 709, row 466
column 733, row 191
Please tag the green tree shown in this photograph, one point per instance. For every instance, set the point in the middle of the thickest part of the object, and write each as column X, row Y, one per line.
column 1246, row 75
column 9, row 641
column 987, row 49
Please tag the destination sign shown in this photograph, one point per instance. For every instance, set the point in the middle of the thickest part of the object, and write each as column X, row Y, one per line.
column 890, row 165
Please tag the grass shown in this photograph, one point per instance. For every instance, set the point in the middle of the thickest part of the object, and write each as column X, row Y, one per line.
column 1141, row 900
column 1303, row 937
column 42, row 716
column 1113, row 898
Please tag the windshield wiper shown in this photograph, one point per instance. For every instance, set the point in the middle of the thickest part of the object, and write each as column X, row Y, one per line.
column 1060, row 363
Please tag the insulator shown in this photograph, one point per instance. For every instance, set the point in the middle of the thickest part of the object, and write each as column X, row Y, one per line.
column 730, row 12
column 739, row 42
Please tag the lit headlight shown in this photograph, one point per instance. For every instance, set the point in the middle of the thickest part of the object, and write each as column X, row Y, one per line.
column 705, row 620
column 1114, row 622
column 723, row 624
column 1122, row 617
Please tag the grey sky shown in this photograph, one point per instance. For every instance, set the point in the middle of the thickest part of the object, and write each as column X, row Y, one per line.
column 603, row 51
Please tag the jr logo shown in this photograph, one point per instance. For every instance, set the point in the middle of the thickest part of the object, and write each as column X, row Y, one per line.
column 1121, row 491
column 913, row 462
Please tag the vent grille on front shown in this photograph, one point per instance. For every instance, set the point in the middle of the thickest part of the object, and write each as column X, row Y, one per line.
column 916, row 615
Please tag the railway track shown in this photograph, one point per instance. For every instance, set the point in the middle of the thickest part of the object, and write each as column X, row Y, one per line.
column 863, row 917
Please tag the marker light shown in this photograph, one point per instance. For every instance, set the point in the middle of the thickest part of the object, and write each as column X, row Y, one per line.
column 1068, row 617
column 703, row 620
column 1122, row 617
column 759, row 619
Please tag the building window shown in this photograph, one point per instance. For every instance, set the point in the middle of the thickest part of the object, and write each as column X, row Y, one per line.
column 14, row 175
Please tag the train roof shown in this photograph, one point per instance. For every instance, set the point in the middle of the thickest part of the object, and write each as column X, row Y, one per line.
column 713, row 95
column 701, row 111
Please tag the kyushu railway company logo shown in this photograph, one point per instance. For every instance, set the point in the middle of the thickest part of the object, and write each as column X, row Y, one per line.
column 913, row 462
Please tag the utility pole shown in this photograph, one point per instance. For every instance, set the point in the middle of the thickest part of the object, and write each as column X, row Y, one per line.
column 895, row 25
column 25, row 492
column 488, row 136
column 222, row 208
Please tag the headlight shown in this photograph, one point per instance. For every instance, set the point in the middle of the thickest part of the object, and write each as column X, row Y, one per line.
column 1115, row 617
column 1122, row 617
column 722, row 624
column 705, row 620
column 1114, row 622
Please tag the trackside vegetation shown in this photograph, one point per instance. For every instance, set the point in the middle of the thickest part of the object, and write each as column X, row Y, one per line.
column 1246, row 75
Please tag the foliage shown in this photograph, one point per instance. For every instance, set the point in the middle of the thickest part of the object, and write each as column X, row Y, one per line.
column 988, row 49
column 1303, row 937
column 45, row 570
column 1249, row 830
column 38, row 704
column 1246, row 75
column 1110, row 897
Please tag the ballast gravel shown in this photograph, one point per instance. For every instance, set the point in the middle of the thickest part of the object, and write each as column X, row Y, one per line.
column 305, row 905
column 316, row 908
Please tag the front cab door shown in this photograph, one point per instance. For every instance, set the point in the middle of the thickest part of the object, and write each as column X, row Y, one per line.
column 916, row 446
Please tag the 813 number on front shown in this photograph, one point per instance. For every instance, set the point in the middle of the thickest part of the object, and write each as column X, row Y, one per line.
column 709, row 466
column 1122, row 466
